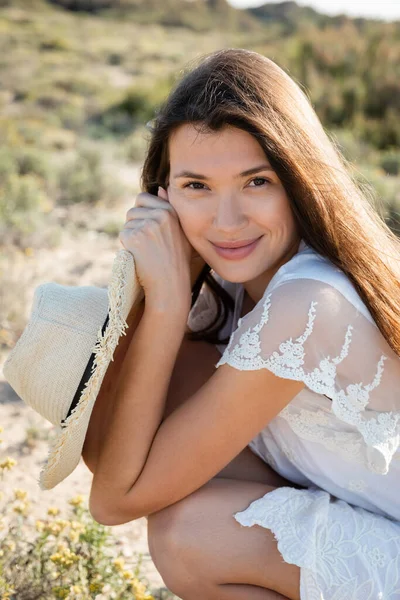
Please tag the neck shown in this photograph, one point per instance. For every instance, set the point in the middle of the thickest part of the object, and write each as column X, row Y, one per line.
column 256, row 287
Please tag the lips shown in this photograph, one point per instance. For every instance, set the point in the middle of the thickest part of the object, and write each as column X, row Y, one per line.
column 237, row 253
column 238, row 244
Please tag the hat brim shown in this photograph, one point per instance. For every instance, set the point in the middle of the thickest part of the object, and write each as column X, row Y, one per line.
column 65, row 450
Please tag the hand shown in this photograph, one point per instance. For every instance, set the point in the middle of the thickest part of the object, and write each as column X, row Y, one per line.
column 162, row 253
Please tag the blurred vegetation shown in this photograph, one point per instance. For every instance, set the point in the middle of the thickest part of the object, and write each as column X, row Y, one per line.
column 62, row 556
column 81, row 78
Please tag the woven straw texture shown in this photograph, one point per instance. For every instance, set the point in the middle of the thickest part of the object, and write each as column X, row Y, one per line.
column 48, row 361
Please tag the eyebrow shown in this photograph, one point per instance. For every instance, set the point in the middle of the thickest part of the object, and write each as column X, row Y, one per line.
column 205, row 178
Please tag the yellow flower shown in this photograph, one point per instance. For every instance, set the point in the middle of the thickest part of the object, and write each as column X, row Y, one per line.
column 53, row 511
column 21, row 507
column 62, row 545
column 10, row 544
column 127, row 574
column 75, row 590
column 52, row 528
column 74, row 536
column 40, row 525
column 60, row 592
column 95, row 587
column 78, row 526
column 62, row 523
column 138, row 585
column 140, row 590
column 119, row 563
column 65, row 558
column 55, row 557
column 8, row 463
column 77, row 500
column 6, row 594
column 20, row 494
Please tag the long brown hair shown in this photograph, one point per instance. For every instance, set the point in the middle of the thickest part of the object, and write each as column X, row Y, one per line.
column 334, row 216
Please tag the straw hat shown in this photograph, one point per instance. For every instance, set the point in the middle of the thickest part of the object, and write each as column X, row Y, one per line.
column 58, row 364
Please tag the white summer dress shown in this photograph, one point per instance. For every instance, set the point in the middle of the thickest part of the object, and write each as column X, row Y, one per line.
column 338, row 438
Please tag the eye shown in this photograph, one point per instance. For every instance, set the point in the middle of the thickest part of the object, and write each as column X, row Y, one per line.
column 260, row 179
column 193, row 183
column 187, row 185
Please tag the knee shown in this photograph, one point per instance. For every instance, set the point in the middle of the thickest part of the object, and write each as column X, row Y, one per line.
column 171, row 534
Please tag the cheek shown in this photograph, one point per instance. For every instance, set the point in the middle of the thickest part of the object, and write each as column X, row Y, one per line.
column 191, row 217
column 192, row 223
column 281, row 213
column 270, row 212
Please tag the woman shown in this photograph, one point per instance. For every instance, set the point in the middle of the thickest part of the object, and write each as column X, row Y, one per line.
column 270, row 471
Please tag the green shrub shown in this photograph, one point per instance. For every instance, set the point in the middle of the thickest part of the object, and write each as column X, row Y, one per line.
column 54, row 44
column 82, row 179
column 26, row 182
column 137, row 106
column 21, row 195
column 23, row 205
column 353, row 147
column 384, row 192
column 390, row 162
column 72, row 558
column 32, row 161
column 135, row 145
column 115, row 59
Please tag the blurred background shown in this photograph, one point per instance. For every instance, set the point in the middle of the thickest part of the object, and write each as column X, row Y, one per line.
column 79, row 81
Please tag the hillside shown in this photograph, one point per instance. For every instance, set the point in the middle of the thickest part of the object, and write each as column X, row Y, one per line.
column 197, row 15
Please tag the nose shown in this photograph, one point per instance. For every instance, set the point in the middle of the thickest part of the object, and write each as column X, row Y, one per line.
column 229, row 215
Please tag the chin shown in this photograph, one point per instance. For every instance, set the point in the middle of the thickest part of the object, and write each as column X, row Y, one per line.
column 229, row 275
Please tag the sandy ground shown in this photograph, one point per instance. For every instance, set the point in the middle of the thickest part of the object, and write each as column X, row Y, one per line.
column 81, row 259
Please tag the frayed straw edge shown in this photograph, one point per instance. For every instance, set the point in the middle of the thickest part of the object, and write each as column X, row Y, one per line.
column 103, row 351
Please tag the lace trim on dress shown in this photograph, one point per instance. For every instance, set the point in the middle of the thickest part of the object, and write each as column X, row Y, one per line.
column 380, row 433
column 343, row 552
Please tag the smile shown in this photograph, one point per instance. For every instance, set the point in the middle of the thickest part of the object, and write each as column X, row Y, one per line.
column 236, row 253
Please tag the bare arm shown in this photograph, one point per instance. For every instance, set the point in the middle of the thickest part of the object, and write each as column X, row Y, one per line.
column 104, row 406
column 138, row 409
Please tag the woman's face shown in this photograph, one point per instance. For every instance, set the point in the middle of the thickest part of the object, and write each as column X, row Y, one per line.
column 217, row 203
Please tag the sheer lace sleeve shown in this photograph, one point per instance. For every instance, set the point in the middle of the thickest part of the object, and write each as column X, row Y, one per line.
column 306, row 330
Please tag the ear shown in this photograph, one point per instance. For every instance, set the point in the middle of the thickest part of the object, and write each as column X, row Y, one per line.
column 161, row 193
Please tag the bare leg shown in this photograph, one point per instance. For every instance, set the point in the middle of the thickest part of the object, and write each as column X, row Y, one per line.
column 202, row 553
column 229, row 591
column 232, row 591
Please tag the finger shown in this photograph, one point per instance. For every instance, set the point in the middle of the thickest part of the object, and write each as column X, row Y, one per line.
column 146, row 200
column 160, row 215
column 136, row 213
column 135, row 223
column 162, row 193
